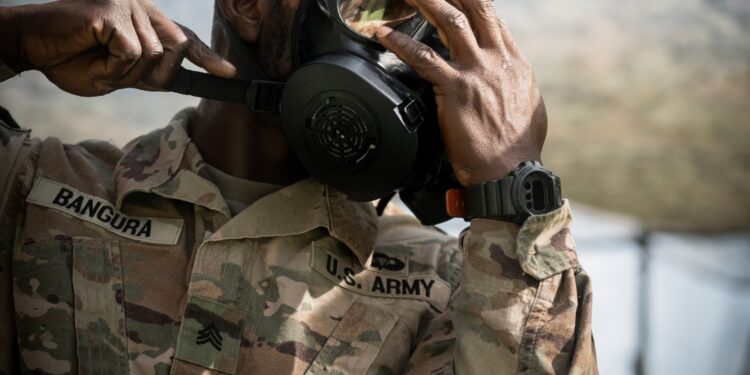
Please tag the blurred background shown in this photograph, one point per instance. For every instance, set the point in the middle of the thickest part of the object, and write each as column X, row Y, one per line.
column 649, row 106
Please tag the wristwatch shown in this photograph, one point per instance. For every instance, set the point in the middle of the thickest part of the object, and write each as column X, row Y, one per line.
column 528, row 191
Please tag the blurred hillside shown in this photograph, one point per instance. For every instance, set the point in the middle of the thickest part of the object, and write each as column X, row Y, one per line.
column 649, row 103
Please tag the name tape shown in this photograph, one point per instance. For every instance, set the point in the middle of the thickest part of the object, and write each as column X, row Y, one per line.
column 369, row 282
column 98, row 211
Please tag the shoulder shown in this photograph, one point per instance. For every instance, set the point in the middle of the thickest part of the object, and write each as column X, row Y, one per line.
column 87, row 166
column 12, row 139
column 426, row 249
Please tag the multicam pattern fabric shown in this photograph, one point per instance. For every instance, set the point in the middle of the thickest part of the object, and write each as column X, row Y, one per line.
column 303, row 281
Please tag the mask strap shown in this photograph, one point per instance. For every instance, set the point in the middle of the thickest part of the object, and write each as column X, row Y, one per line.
column 383, row 203
column 261, row 94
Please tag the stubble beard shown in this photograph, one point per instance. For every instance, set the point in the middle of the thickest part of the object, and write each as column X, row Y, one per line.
column 275, row 42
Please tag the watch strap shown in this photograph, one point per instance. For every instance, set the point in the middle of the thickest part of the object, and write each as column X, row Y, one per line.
column 492, row 199
column 527, row 191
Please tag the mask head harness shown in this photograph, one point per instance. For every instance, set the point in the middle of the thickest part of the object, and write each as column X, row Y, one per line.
column 357, row 117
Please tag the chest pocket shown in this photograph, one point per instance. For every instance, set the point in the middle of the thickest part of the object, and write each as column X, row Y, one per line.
column 355, row 342
column 68, row 300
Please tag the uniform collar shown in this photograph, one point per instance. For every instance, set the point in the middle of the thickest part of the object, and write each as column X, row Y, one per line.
column 167, row 163
column 301, row 208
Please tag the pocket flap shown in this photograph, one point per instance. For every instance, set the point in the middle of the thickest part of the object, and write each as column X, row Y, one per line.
column 355, row 342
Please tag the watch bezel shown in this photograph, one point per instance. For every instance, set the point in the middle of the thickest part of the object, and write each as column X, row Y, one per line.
column 535, row 190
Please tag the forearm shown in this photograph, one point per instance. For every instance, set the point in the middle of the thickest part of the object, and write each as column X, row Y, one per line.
column 524, row 305
column 12, row 52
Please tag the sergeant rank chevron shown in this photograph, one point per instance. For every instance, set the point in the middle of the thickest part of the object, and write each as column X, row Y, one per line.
column 210, row 335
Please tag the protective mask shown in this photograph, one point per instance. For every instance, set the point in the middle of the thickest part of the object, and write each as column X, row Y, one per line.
column 356, row 117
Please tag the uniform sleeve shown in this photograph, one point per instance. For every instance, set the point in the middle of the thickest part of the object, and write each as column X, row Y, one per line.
column 5, row 71
column 523, row 305
column 15, row 146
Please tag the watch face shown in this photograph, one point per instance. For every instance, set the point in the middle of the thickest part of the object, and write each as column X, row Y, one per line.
column 537, row 192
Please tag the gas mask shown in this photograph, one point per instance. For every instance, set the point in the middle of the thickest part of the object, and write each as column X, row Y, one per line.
column 357, row 118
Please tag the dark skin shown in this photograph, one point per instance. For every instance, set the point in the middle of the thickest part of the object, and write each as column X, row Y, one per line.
column 264, row 154
column 491, row 113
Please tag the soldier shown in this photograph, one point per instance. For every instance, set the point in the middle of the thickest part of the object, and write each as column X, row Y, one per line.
column 204, row 247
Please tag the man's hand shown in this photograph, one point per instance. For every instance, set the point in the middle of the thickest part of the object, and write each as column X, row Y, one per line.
column 491, row 114
column 93, row 47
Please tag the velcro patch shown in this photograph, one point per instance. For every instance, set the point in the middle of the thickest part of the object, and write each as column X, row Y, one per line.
column 344, row 273
column 98, row 211
column 389, row 263
column 210, row 335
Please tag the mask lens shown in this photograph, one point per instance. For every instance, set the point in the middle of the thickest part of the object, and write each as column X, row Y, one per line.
column 365, row 16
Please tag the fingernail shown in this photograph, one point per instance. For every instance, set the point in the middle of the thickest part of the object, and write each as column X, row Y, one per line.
column 231, row 69
column 383, row 31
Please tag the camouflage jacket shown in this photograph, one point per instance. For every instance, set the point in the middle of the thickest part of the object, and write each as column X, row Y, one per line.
column 129, row 262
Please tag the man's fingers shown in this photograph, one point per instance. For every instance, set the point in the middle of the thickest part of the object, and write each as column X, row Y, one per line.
column 124, row 49
column 510, row 43
column 175, row 44
column 151, row 46
column 199, row 54
column 483, row 19
column 151, row 52
column 163, row 73
column 147, row 87
column 452, row 24
column 423, row 59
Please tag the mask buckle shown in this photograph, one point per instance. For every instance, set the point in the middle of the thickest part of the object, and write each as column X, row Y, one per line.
column 264, row 96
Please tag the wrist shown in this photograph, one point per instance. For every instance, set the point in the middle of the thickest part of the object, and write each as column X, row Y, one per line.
column 529, row 190
column 496, row 172
column 12, row 49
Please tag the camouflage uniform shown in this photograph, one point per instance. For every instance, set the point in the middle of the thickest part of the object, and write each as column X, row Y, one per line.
column 128, row 261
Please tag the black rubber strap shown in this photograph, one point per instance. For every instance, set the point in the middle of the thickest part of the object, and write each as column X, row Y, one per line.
column 260, row 96
column 383, row 203
column 492, row 199
column 209, row 87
